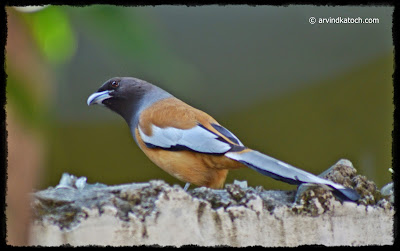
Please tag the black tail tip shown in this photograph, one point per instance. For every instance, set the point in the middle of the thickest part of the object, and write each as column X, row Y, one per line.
column 347, row 194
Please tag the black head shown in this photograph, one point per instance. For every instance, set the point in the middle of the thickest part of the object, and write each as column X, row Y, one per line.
column 126, row 96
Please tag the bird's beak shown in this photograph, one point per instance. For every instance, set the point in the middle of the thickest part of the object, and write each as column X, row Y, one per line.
column 98, row 97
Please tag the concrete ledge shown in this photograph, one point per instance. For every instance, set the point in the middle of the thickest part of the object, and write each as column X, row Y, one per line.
column 156, row 213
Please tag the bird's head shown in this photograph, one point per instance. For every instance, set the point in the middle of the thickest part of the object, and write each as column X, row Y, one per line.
column 126, row 96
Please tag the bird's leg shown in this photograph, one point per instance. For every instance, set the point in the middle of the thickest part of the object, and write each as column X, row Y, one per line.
column 187, row 185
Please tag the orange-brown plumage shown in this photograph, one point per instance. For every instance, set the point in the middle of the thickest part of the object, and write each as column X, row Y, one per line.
column 188, row 166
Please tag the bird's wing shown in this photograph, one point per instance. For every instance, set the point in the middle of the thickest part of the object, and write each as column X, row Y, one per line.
column 173, row 125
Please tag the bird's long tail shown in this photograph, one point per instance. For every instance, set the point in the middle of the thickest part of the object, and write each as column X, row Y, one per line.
column 281, row 171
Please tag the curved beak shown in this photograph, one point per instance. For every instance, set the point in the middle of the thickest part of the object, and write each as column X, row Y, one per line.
column 98, row 97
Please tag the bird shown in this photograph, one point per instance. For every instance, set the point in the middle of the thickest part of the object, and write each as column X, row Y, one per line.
column 188, row 143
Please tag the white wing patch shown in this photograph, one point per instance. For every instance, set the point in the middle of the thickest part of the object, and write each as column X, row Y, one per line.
column 197, row 138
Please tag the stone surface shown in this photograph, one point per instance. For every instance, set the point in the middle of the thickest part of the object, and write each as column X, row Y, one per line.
column 156, row 213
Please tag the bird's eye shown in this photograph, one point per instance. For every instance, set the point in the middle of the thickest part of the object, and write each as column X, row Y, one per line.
column 114, row 84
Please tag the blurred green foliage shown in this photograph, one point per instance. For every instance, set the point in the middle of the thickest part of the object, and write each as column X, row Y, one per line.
column 134, row 38
column 124, row 27
column 30, row 111
column 52, row 31
column 55, row 41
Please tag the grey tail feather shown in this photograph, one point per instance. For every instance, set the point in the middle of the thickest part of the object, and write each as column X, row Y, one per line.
column 279, row 170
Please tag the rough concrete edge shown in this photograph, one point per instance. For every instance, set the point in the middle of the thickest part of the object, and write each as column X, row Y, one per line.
column 139, row 200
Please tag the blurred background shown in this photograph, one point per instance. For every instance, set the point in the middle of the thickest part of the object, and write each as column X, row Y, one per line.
column 307, row 94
